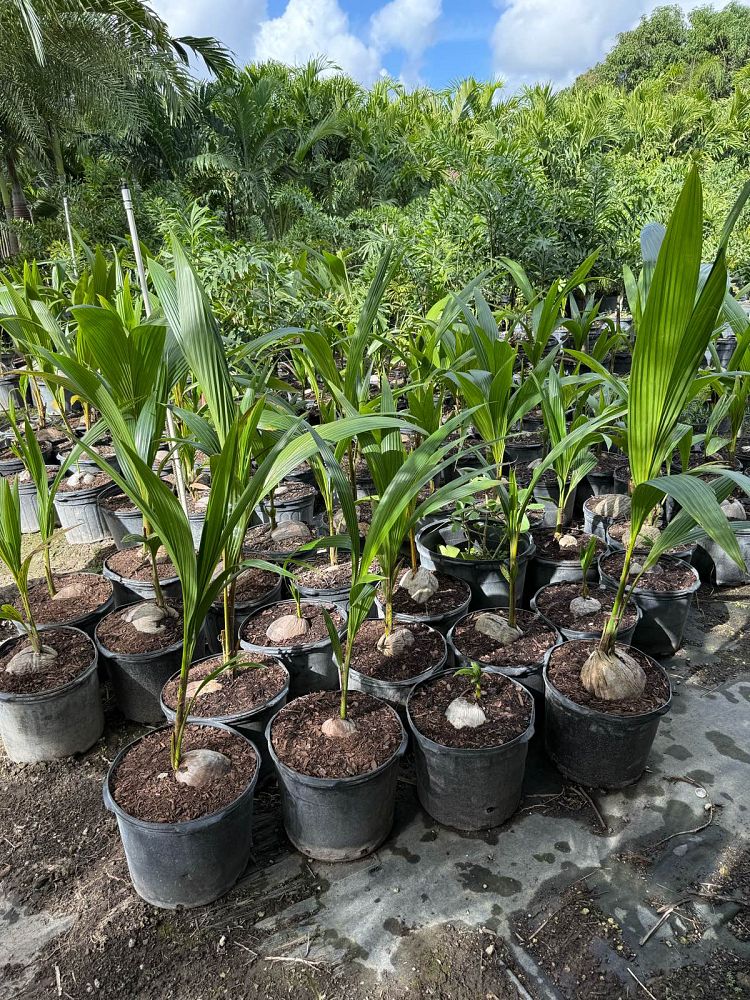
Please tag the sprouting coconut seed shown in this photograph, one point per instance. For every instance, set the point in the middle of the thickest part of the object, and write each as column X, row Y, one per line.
column 148, row 618
column 581, row 606
column 613, row 676
column 463, row 714
column 337, row 728
column 291, row 533
column 655, row 570
column 70, row 591
column 200, row 768
column 497, row 628
column 29, row 662
column 567, row 542
column 287, row 628
column 420, row 584
column 192, row 689
column 648, row 534
column 612, row 505
column 396, row 643
column 734, row 510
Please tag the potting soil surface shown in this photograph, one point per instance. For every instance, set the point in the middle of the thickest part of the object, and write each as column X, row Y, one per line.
column 582, row 894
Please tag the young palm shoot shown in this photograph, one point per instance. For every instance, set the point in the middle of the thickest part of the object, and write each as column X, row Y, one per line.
column 673, row 332
column 585, row 604
column 37, row 656
column 463, row 713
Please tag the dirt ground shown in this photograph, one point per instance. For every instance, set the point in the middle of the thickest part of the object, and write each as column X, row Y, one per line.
column 555, row 904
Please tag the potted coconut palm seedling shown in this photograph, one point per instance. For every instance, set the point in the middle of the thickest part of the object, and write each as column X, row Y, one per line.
column 336, row 752
column 471, row 731
column 580, row 609
column 603, row 699
column 76, row 599
column 50, row 705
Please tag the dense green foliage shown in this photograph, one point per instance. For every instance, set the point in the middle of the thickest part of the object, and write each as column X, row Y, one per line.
column 261, row 170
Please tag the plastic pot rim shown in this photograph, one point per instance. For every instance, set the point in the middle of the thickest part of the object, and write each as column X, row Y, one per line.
column 301, row 648
column 119, row 578
column 666, row 595
column 409, row 682
column 549, row 687
column 347, row 780
column 524, row 554
column 249, row 606
column 132, row 657
column 50, row 693
column 189, row 826
column 461, row 609
column 522, row 668
column 582, row 635
column 114, row 488
column 72, row 496
column 523, row 737
column 227, row 720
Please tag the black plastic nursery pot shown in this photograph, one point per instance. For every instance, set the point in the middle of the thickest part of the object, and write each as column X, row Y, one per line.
column 128, row 590
column 80, row 516
column 311, row 666
column 489, row 587
column 543, row 571
column 29, row 502
column 664, row 615
column 250, row 724
column 395, row 693
column 597, row 749
column 9, row 389
column 548, row 494
column 301, row 509
column 11, row 466
column 624, row 635
column 523, row 452
column 120, row 521
column 85, row 622
column 338, row 819
column 191, row 863
column 52, row 724
column 597, row 524
column 138, row 678
column 338, row 595
column 470, row 789
column 715, row 566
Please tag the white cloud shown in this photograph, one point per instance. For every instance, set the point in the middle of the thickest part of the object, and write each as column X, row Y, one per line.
column 539, row 40
column 309, row 28
column 408, row 25
column 233, row 22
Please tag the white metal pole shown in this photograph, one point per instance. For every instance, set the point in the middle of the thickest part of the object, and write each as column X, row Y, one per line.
column 71, row 241
column 128, row 203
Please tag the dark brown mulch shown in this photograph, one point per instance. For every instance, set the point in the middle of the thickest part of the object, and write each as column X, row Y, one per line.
column 547, row 546
column 119, row 636
column 95, row 591
column 131, row 564
column 74, row 654
column 99, row 481
column 254, row 629
column 564, row 672
column 299, row 743
column 452, row 594
column 258, row 539
column 527, row 439
column 317, row 573
column 117, row 503
column 508, row 711
column 253, row 584
column 554, row 603
column 144, row 787
column 427, row 652
column 244, row 687
column 675, row 577
column 529, row 648
column 291, row 491
column 608, row 462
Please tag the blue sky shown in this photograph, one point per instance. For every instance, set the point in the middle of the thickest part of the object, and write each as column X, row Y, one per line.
column 419, row 41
